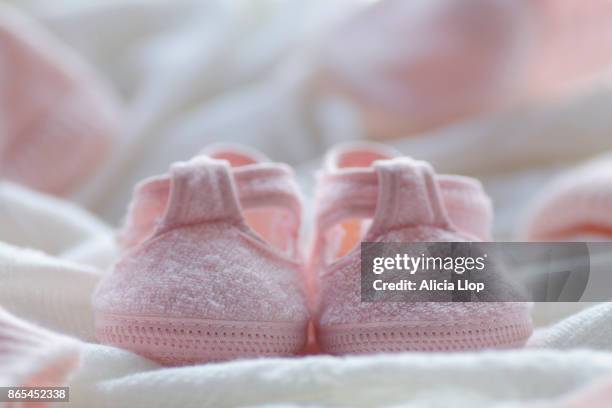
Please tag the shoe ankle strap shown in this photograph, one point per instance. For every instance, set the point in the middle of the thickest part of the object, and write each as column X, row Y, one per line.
column 408, row 195
column 205, row 189
column 201, row 190
column 401, row 192
column 268, row 185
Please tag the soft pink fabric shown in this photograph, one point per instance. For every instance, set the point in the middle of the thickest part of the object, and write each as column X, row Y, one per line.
column 202, row 263
column 410, row 206
column 412, row 65
column 575, row 206
column 57, row 118
column 562, row 28
column 33, row 357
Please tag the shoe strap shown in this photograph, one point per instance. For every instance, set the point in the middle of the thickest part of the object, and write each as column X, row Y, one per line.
column 410, row 191
column 268, row 185
column 208, row 190
column 201, row 190
column 408, row 195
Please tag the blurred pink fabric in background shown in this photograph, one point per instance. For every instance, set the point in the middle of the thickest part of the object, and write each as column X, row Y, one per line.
column 413, row 65
column 576, row 206
column 57, row 119
column 406, row 66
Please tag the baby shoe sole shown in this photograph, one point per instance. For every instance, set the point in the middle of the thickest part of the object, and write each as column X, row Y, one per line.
column 423, row 336
column 172, row 341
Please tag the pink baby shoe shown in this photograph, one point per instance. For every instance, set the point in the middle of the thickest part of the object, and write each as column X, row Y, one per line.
column 368, row 194
column 210, row 268
column 33, row 357
column 57, row 118
column 577, row 206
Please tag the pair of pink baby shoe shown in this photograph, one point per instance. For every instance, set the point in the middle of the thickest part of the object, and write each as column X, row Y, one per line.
column 211, row 267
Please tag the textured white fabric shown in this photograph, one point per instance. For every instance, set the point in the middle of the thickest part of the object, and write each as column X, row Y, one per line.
column 25, row 214
column 47, row 290
column 457, row 380
column 590, row 329
column 192, row 72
